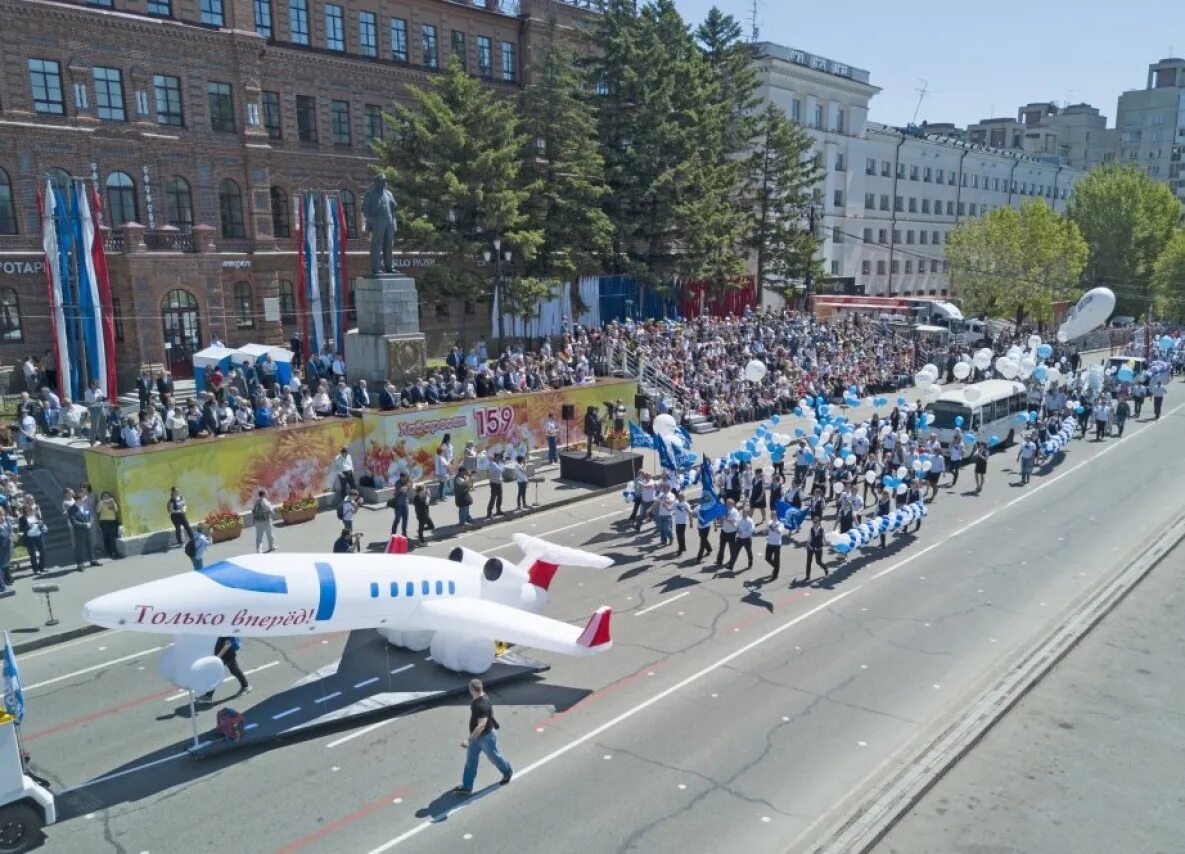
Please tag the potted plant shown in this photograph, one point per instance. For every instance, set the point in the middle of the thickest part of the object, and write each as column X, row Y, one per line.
column 223, row 524
column 617, row 440
column 297, row 509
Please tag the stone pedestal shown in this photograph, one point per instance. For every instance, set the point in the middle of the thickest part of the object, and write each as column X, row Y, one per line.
column 388, row 343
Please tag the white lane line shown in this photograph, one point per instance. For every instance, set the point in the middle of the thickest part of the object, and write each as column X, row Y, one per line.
column 58, row 647
column 93, row 668
column 753, row 644
column 249, row 727
column 122, row 773
column 663, row 602
column 328, row 697
column 401, row 669
column 366, row 682
column 286, row 713
column 359, row 733
column 181, row 694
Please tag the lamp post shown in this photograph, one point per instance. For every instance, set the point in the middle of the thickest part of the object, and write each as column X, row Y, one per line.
column 499, row 297
column 806, row 289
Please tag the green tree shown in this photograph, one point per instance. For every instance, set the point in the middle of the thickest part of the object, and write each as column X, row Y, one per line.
column 454, row 163
column 780, row 177
column 1168, row 278
column 1015, row 263
column 1127, row 220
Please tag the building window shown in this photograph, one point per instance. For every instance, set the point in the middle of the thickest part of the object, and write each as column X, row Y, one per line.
column 211, row 13
column 938, row 176
column 271, row 114
column 868, row 235
column 46, row 77
column 884, row 202
column 179, row 203
column 350, row 214
column 399, row 39
column 934, row 238
column 485, row 56
column 121, row 199
column 459, row 49
column 836, row 234
column 339, row 122
column 925, row 206
column 839, row 121
column 866, row 268
column 372, row 115
column 927, row 174
column 222, row 107
column 230, row 210
column 886, row 169
column 10, row 316
column 428, row 38
column 880, row 268
column 109, row 94
column 901, row 171
column 870, row 201
column 796, row 111
column 835, row 268
column 168, row 100
column 908, row 267
column 306, row 118
column 909, row 236
column 840, row 163
column 818, row 122
column 950, row 208
column 298, row 21
column 882, row 236
column 898, row 204
column 837, row 199
column 117, row 318
column 7, row 205
column 244, row 310
column 368, row 34
column 895, row 267
column 870, row 166
column 287, row 303
column 160, row 8
column 922, row 236
column 335, row 27
column 934, row 265
column 913, row 173
column 280, row 224
column 509, row 65
column 441, row 308
column 913, row 205
column 263, row 18
column 962, row 208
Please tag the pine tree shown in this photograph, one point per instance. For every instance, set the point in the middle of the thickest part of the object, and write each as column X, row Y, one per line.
column 454, row 163
column 780, row 179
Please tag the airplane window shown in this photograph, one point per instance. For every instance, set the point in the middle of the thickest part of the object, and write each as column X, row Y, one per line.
column 394, row 589
column 452, row 588
column 374, row 590
column 411, row 588
column 439, row 588
column 425, row 587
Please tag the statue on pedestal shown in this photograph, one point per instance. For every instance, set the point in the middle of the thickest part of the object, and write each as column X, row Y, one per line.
column 378, row 208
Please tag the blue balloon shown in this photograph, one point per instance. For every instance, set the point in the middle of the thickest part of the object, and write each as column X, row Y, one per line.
column 969, row 438
column 1125, row 375
column 798, row 411
column 798, row 434
column 1166, row 343
column 842, row 548
column 1078, row 410
column 776, row 419
column 1022, row 417
column 1044, row 351
column 993, row 440
column 808, row 457
column 887, row 480
column 820, row 401
column 761, row 431
column 958, row 420
column 901, row 401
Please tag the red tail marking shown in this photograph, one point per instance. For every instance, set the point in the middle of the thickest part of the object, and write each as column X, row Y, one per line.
column 541, row 573
column 596, row 633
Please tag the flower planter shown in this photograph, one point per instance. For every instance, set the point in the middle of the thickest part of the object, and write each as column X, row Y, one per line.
column 223, row 533
column 295, row 517
column 617, row 444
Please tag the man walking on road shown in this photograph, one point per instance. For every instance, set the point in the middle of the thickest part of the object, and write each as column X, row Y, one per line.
column 228, row 649
column 262, row 514
column 1158, row 393
column 483, row 738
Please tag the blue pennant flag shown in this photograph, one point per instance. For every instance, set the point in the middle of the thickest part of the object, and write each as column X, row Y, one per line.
column 639, row 438
column 14, row 695
column 682, row 431
column 664, row 454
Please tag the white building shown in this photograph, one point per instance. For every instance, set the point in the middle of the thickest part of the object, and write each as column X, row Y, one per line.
column 1151, row 124
column 890, row 196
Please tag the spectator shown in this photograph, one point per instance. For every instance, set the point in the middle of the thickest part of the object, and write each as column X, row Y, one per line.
column 423, row 517
column 463, row 495
column 195, row 547
column 263, row 513
column 109, row 524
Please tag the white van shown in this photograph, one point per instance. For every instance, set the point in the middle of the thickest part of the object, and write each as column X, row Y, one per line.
column 992, row 414
column 973, row 333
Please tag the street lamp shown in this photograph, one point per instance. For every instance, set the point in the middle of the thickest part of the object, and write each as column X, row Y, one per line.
column 810, row 263
column 499, row 299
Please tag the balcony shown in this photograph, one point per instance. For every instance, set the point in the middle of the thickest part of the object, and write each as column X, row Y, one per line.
column 133, row 238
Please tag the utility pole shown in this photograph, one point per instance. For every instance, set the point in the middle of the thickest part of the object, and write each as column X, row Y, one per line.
column 922, row 92
column 806, row 290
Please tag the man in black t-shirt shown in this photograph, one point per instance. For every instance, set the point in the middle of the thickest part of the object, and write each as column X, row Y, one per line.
column 483, row 738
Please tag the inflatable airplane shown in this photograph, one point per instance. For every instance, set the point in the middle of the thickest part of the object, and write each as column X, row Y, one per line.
column 458, row 607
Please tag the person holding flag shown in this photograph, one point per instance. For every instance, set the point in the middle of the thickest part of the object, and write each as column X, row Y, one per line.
column 14, row 695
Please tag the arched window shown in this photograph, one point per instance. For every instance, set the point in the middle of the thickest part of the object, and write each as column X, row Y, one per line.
column 244, row 308
column 7, row 205
column 230, row 209
column 121, row 199
column 10, row 316
column 287, row 303
column 179, row 203
column 350, row 209
column 280, row 213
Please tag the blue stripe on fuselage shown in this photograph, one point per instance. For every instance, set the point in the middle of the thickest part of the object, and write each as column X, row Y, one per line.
column 328, row 584
column 240, row 578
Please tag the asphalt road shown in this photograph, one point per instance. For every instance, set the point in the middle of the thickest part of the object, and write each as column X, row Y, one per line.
column 729, row 714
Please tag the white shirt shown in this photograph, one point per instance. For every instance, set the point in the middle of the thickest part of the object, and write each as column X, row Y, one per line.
column 666, row 505
column 773, row 536
column 745, row 528
column 681, row 513
column 731, row 518
column 551, row 427
column 347, row 510
column 343, row 463
column 648, row 491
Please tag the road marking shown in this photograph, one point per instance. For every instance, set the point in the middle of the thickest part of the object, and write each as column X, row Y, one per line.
column 597, row 731
column 122, row 773
column 321, row 832
column 663, row 602
column 401, row 669
column 93, row 667
column 360, row 732
column 366, row 682
column 286, row 713
column 328, row 697
column 58, row 647
column 181, row 694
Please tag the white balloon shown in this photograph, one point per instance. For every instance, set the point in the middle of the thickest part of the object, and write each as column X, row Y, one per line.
column 755, row 371
column 1024, row 373
column 1028, row 363
column 870, row 477
column 665, row 424
column 931, row 369
column 1053, row 375
column 982, row 359
column 1091, row 311
column 922, row 380
column 1034, row 342
column 901, row 472
column 205, row 675
column 931, row 392
column 927, row 465
column 971, row 393
column 838, row 462
column 675, row 440
column 962, row 370
column 861, row 433
column 1014, row 352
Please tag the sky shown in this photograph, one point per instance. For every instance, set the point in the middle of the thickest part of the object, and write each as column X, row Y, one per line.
column 978, row 60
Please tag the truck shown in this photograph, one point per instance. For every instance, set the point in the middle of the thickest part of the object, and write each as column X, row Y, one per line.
column 26, row 806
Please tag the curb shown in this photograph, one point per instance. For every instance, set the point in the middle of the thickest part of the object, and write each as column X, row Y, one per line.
column 43, row 641
column 872, row 817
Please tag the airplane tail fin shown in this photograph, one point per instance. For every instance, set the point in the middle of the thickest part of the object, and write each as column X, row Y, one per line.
column 542, row 559
column 595, row 636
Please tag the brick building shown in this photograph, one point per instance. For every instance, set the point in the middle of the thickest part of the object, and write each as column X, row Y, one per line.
column 198, row 120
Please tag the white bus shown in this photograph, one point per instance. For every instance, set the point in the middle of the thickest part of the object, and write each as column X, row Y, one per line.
column 992, row 414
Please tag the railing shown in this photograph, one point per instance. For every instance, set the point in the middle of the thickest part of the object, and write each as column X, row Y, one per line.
column 113, row 241
column 170, row 241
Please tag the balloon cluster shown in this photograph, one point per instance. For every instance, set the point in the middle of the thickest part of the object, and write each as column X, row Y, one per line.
column 863, row 534
column 927, row 380
column 1062, row 438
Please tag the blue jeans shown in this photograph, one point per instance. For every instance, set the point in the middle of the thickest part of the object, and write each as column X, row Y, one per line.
column 463, row 515
column 400, row 520
column 552, row 455
column 487, row 744
column 665, row 529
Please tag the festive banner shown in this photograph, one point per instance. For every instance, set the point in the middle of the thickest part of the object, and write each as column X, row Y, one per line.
column 343, row 278
column 89, row 310
column 107, row 314
column 332, row 251
column 53, row 275
column 312, row 285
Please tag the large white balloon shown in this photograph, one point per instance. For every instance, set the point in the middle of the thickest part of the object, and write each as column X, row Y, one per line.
column 923, row 380
column 665, row 424
column 982, row 359
column 1034, row 342
column 971, row 393
column 1091, row 312
column 1009, row 369
column 931, row 369
column 1053, row 375
column 755, row 371
column 961, row 371
column 932, row 391
column 205, row 674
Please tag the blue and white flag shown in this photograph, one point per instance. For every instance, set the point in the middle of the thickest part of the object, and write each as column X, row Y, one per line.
column 710, row 505
column 14, row 695
column 332, row 241
column 664, row 454
column 57, row 301
column 313, row 287
column 64, row 225
column 639, row 438
column 90, row 305
column 682, row 431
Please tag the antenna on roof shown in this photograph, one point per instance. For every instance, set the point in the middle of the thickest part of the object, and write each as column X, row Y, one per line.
column 754, row 30
column 922, row 92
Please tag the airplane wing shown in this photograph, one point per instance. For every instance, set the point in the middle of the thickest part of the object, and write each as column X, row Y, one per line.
column 501, row 622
